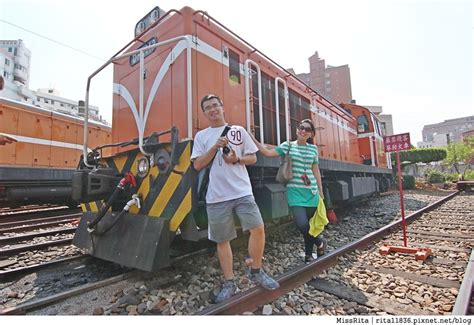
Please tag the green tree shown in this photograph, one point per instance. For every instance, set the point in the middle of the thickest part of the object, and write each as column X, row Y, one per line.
column 460, row 152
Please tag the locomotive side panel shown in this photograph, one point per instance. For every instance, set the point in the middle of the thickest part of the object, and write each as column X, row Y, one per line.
column 24, row 150
column 9, row 125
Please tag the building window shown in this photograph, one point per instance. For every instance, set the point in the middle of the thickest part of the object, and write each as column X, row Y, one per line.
column 46, row 101
column 10, row 49
column 7, row 62
column 234, row 66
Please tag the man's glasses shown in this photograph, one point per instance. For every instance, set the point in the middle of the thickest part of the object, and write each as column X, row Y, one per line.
column 305, row 128
column 209, row 107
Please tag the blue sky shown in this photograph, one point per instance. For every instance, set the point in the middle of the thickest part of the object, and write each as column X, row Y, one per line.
column 414, row 58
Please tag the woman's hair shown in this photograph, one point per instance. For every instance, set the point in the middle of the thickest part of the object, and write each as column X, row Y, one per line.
column 310, row 139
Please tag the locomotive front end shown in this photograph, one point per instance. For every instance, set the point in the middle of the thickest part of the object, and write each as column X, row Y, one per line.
column 133, row 204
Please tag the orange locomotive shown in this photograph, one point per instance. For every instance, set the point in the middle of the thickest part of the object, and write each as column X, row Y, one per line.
column 138, row 199
column 369, row 134
column 40, row 152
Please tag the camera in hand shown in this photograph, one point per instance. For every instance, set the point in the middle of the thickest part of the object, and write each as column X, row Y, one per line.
column 226, row 149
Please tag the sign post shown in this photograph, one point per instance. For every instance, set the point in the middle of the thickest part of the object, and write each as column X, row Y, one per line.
column 396, row 143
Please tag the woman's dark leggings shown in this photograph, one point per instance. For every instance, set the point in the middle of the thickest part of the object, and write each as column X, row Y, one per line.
column 301, row 215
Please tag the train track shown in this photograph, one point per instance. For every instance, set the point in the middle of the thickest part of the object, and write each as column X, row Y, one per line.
column 199, row 276
column 50, row 300
column 29, row 245
column 252, row 300
column 38, row 212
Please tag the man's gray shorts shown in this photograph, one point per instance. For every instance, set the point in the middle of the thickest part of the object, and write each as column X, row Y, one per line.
column 221, row 217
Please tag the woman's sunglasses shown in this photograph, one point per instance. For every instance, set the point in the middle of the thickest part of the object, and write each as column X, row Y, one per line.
column 305, row 128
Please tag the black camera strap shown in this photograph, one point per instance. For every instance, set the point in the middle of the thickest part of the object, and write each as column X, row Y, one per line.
column 223, row 134
column 203, row 184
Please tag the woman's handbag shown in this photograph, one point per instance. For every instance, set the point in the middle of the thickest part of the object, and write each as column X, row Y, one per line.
column 285, row 172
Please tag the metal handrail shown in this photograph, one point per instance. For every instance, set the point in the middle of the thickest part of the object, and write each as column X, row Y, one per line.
column 277, row 107
column 247, row 64
column 143, row 116
column 86, row 108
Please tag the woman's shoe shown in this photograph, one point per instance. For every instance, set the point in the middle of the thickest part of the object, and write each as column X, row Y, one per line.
column 322, row 248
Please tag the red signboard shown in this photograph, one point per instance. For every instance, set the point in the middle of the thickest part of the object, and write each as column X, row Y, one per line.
column 397, row 142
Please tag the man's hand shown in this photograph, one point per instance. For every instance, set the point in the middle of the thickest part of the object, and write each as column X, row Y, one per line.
column 221, row 142
column 231, row 157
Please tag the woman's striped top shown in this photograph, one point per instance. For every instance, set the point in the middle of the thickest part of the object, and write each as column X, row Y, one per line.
column 303, row 157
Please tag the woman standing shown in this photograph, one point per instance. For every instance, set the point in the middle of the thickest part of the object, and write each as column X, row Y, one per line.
column 305, row 188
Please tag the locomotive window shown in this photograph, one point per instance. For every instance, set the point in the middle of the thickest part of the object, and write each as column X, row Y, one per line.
column 299, row 110
column 234, row 66
column 362, row 124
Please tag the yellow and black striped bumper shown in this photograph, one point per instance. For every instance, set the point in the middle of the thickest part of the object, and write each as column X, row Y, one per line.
column 162, row 195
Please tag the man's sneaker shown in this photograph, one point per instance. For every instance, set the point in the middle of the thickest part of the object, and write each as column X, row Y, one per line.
column 227, row 290
column 263, row 279
column 322, row 249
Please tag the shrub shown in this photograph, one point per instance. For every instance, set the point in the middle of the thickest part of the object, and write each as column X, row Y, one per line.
column 424, row 155
column 408, row 182
column 469, row 175
column 434, row 176
column 451, row 177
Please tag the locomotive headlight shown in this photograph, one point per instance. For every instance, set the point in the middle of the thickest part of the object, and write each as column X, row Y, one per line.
column 143, row 167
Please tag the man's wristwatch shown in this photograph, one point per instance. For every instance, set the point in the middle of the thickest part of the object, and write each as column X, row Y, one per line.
column 237, row 162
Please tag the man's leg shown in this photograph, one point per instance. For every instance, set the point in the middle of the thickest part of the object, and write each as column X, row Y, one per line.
column 224, row 253
column 256, row 246
column 250, row 219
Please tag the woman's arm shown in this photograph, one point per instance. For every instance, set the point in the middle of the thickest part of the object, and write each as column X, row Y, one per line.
column 317, row 174
column 264, row 150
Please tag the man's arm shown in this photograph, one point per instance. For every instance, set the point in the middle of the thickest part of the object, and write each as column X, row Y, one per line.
column 204, row 160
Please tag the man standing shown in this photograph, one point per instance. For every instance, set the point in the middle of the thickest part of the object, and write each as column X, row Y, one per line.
column 230, row 192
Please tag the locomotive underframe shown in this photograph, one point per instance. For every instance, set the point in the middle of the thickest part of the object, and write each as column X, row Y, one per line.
column 25, row 185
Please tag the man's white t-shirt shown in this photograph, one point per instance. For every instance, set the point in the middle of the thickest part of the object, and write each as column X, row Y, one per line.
column 226, row 181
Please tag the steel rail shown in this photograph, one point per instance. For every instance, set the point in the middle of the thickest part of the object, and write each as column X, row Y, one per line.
column 38, row 215
column 23, row 248
column 21, row 270
column 68, row 230
column 43, row 302
column 35, row 304
column 250, row 300
column 38, row 225
column 39, row 220
column 463, row 300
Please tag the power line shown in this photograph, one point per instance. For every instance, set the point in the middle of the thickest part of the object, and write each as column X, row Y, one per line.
column 51, row 40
